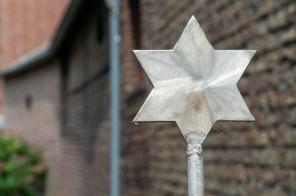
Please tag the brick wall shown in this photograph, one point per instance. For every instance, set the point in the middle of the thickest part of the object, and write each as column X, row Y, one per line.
column 63, row 108
column 25, row 25
column 135, row 140
column 85, row 143
column 32, row 109
column 240, row 158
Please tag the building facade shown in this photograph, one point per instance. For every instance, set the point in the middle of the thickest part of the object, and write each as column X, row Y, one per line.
column 24, row 27
column 60, row 99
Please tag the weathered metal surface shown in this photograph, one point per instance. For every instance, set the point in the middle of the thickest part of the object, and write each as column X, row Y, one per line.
column 194, row 84
column 195, row 167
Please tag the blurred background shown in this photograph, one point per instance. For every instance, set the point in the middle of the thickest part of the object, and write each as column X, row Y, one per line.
column 59, row 79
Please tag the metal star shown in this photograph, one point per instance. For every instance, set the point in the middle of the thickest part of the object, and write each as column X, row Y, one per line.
column 194, row 84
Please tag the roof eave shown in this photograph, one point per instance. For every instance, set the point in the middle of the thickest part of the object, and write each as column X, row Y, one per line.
column 47, row 53
column 28, row 62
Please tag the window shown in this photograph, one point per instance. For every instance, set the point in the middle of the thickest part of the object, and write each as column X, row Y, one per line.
column 28, row 102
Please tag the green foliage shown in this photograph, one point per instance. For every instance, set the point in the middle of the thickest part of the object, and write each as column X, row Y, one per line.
column 22, row 172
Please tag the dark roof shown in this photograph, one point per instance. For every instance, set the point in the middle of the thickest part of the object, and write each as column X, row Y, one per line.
column 39, row 57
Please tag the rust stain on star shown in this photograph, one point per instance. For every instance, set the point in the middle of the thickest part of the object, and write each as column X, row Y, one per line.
column 195, row 100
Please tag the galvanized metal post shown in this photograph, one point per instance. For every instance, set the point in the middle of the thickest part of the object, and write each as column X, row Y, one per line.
column 114, row 26
column 115, row 105
column 195, row 168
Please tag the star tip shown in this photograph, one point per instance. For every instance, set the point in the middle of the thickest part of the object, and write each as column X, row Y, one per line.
column 251, row 52
column 136, row 122
column 193, row 19
column 251, row 118
column 193, row 23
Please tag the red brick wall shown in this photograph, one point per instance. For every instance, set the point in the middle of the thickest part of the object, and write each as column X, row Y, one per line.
column 37, row 122
column 135, row 139
column 85, row 135
column 26, row 25
column 69, row 117
column 240, row 158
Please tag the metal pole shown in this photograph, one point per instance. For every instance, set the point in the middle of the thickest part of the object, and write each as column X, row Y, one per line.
column 114, row 26
column 195, row 168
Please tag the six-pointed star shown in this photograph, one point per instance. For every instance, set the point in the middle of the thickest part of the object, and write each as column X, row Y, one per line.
column 194, row 84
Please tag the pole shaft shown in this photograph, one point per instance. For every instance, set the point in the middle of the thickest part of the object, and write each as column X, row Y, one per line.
column 114, row 25
column 195, row 170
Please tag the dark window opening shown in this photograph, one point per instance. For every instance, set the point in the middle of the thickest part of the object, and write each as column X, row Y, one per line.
column 28, row 102
column 136, row 21
column 102, row 24
column 100, row 29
